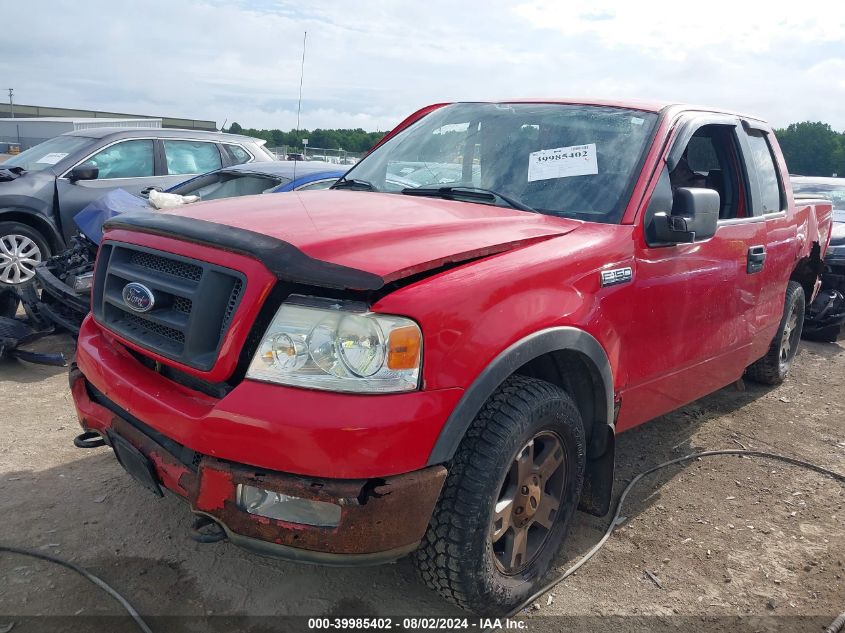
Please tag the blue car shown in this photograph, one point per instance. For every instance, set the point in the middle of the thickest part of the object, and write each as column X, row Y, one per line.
column 255, row 178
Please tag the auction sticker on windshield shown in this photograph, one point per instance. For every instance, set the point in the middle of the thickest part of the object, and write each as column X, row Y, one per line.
column 51, row 158
column 562, row 162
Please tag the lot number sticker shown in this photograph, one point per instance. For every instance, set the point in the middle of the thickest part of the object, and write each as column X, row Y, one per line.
column 52, row 158
column 562, row 162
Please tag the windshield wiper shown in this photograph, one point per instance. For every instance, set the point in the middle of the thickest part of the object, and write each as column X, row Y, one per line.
column 352, row 183
column 472, row 193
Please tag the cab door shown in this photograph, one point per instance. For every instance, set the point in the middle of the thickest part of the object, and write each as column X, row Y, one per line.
column 695, row 319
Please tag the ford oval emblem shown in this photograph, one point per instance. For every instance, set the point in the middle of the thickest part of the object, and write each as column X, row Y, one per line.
column 138, row 297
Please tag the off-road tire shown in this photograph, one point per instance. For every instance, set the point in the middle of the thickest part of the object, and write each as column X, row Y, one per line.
column 18, row 228
column 456, row 556
column 769, row 370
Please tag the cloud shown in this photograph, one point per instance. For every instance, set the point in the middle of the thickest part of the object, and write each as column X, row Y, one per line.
column 371, row 64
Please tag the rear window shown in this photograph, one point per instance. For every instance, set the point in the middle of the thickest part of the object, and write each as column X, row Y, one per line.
column 191, row 157
column 770, row 194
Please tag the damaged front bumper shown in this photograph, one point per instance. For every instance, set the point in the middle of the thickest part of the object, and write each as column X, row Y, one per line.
column 380, row 519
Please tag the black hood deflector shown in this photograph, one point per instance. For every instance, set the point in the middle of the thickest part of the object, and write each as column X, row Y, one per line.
column 281, row 258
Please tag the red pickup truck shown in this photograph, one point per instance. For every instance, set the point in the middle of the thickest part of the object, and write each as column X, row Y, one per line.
column 437, row 355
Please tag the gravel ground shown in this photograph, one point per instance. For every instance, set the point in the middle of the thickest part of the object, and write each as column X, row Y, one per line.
column 703, row 544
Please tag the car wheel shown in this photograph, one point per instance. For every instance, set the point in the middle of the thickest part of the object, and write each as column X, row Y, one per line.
column 773, row 368
column 507, row 502
column 22, row 248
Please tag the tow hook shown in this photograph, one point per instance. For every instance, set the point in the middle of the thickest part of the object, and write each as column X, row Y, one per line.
column 89, row 439
column 207, row 530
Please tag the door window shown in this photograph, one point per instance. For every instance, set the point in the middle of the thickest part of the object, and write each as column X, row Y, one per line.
column 127, row 159
column 237, row 154
column 770, row 197
column 710, row 161
column 317, row 185
column 191, row 157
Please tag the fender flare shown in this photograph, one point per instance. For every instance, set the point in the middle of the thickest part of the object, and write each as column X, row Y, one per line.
column 506, row 363
column 38, row 221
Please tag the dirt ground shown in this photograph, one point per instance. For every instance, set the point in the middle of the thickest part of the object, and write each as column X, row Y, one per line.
column 722, row 537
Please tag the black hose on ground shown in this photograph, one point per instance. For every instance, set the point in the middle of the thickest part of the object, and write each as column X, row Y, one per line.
column 837, row 626
column 87, row 574
column 616, row 522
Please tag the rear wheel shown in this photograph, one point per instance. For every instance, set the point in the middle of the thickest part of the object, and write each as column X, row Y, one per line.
column 773, row 368
column 22, row 248
column 506, row 505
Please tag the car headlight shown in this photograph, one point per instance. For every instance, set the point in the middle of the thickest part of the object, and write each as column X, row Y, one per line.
column 338, row 346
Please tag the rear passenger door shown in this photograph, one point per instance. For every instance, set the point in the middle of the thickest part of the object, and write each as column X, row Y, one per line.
column 770, row 205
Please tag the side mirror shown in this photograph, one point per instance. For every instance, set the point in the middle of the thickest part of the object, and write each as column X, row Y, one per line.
column 694, row 217
column 84, row 172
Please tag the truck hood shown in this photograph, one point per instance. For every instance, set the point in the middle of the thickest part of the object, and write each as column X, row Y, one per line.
column 387, row 236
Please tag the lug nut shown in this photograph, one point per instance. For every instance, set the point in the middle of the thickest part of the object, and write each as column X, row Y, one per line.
column 518, row 510
column 524, row 490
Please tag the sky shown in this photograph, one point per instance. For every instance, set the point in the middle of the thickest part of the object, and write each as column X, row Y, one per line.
column 369, row 64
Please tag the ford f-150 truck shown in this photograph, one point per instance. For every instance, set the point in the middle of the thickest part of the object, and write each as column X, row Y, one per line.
column 439, row 365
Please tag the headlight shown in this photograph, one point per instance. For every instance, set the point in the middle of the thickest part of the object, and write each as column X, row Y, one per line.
column 337, row 346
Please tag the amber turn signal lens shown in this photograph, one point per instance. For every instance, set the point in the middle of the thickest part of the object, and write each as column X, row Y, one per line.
column 404, row 348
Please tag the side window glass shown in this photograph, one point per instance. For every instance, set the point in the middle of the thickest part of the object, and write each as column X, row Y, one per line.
column 317, row 185
column 128, row 159
column 710, row 161
column 237, row 154
column 191, row 157
column 769, row 197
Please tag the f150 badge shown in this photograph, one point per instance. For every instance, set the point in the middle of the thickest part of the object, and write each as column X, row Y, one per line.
column 616, row 276
column 138, row 297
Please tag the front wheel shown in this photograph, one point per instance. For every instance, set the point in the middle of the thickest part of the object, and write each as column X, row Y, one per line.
column 773, row 368
column 506, row 505
column 22, row 248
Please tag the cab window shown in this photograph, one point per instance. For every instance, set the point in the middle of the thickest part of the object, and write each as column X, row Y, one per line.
column 711, row 161
column 769, row 196
column 191, row 157
column 127, row 159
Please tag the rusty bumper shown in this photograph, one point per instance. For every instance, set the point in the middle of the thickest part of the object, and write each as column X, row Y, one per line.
column 380, row 520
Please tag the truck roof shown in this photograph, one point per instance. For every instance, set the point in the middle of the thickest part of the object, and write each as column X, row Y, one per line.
column 632, row 104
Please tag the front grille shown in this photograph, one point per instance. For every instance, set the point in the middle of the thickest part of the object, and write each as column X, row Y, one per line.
column 193, row 302
column 183, row 270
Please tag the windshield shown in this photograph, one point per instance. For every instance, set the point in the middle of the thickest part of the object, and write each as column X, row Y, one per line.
column 567, row 160
column 49, row 153
column 829, row 191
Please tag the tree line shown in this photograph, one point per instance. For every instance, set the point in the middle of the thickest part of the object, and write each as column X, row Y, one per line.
column 810, row 148
column 356, row 140
column 813, row 149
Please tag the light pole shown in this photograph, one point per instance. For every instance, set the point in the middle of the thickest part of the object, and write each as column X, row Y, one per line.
column 11, row 102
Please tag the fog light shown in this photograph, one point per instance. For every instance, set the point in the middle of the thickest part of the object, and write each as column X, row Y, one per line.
column 83, row 282
column 282, row 507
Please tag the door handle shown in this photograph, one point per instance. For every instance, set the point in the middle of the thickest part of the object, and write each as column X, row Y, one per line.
column 756, row 259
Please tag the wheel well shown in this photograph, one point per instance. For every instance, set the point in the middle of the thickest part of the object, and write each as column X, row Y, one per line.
column 37, row 223
column 576, row 374
column 807, row 271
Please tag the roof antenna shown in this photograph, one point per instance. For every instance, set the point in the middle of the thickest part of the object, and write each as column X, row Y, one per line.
column 299, row 106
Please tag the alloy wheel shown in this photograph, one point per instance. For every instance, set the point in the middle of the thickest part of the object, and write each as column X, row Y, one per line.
column 19, row 255
column 789, row 338
column 528, row 502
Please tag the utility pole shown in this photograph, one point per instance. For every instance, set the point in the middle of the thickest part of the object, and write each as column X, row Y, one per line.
column 11, row 102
